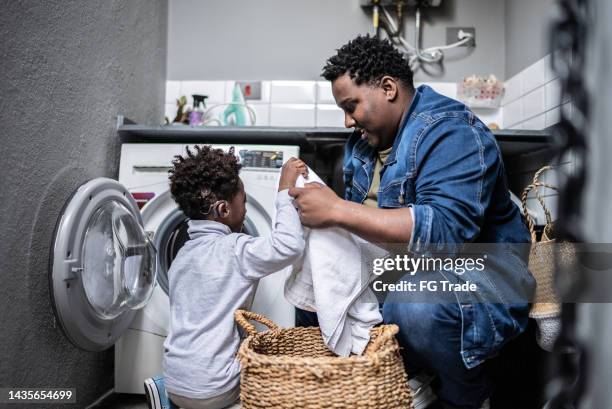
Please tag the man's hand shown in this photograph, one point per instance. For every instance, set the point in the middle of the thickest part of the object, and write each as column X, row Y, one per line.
column 290, row 172
column 317, row 204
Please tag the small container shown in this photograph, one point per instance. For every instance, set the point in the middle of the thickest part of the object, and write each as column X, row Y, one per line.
column 481, row 91
column 197, row 114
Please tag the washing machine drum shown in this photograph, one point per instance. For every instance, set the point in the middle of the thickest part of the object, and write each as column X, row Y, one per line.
column 171, row 233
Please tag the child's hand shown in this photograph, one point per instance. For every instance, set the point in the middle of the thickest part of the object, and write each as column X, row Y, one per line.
column 290, row 172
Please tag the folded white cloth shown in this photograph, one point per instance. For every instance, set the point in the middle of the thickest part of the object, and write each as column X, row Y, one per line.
column 329, row 280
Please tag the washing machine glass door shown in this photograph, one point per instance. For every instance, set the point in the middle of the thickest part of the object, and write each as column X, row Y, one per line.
column 103, row 265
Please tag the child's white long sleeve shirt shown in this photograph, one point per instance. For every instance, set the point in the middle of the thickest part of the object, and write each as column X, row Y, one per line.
column 214, row 274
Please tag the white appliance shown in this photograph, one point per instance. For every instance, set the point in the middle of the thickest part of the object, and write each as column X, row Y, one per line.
column 109, row 263
column 143, row 170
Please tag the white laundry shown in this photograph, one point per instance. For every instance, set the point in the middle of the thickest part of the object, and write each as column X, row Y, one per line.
column 329, row 280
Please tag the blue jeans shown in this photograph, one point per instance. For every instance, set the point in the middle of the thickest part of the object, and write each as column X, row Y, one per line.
column 430, row 336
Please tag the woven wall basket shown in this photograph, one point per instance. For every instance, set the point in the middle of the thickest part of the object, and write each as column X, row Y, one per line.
column 542, row 256
column 292, row 368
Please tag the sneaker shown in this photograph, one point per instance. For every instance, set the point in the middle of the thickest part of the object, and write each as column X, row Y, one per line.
column 155, row 391
column 420, row 387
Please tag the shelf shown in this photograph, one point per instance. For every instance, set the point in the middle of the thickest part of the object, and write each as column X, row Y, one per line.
column 511, row 142
column 520, row 141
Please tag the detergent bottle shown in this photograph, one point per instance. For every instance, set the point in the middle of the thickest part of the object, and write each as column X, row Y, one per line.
column 236, row 113
column 197, row 114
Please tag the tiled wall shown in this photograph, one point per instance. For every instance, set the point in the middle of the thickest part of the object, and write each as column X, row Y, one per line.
column 290, row 103
column 282, row 103
column 533, row 101
column 532, row 98
column 530, row 102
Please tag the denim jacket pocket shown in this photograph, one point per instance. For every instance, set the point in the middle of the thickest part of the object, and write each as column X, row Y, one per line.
column 397, row 193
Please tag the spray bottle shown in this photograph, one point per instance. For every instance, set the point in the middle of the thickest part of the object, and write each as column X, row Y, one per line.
column 199, row 104
column 236, row 113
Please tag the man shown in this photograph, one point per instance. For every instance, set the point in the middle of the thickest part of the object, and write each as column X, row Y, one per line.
column 421, row 169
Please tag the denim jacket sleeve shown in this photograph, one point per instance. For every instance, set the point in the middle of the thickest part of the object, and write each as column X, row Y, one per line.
column 456, row 167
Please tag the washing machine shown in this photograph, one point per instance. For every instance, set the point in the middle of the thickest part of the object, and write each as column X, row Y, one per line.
column 143, row 170
column 116, row 240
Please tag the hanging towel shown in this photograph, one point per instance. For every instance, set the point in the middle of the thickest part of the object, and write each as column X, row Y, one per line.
column 328, row 279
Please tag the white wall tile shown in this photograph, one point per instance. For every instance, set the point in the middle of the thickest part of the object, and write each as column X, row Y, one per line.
column 214, row 89
column 513, row 113
column 329, row 115
column 488, row 116
column 173, row 91
column 533, row 103
column 228, row 92
column 324, row 93
column 448, row 89
column 262, row 113
column 265, row 90
column 516, row 126
column 292, row 114
column 170, row 111
column 553, row 94
column 514, row 89
column 533, row 76
column 293, row 92
column 553, row 116
column 549, row 74
column 537, row 123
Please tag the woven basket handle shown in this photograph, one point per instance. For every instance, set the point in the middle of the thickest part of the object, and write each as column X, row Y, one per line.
column 535, row 184
column 385, row 335
column 242, row 317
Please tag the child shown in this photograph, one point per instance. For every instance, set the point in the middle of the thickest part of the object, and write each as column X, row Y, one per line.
column 216, row 272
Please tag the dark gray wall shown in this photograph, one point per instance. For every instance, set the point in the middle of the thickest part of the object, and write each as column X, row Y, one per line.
column 67, row 69
column 527, row 26
column 291, row 39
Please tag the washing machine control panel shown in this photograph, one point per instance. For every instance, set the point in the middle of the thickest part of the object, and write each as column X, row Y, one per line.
column 268, row 159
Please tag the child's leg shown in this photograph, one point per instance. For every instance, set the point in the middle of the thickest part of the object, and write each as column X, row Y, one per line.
column 224, row 400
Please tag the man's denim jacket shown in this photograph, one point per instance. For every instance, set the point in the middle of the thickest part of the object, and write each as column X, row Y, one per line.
column 446, row 165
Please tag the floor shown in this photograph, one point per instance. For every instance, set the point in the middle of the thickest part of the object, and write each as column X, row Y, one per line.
column 128, row 401
column 123, row 401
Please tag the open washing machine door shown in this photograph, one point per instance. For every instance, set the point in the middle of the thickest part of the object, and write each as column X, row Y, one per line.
column 103, row 265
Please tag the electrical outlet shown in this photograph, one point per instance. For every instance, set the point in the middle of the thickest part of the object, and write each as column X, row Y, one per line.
column 250, row 89
column 454, row 34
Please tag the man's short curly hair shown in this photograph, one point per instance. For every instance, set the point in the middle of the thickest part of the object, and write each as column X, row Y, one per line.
column 199, row 179
column 367, row 59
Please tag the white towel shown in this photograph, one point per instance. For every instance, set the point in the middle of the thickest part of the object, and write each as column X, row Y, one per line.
column 329, row 280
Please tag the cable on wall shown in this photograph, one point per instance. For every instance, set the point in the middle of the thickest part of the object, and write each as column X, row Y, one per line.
column 416, row 55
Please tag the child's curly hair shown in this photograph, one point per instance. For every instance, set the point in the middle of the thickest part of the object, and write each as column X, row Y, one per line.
column 200, row 178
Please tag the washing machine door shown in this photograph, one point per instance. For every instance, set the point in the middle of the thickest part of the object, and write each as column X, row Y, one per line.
column 103, row 265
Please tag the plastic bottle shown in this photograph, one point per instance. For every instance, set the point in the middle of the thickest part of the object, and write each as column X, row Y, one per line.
column 236, row 113
column 196, row 115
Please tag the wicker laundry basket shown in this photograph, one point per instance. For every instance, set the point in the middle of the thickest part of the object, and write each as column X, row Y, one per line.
column 542, row 256
column 292, row 368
